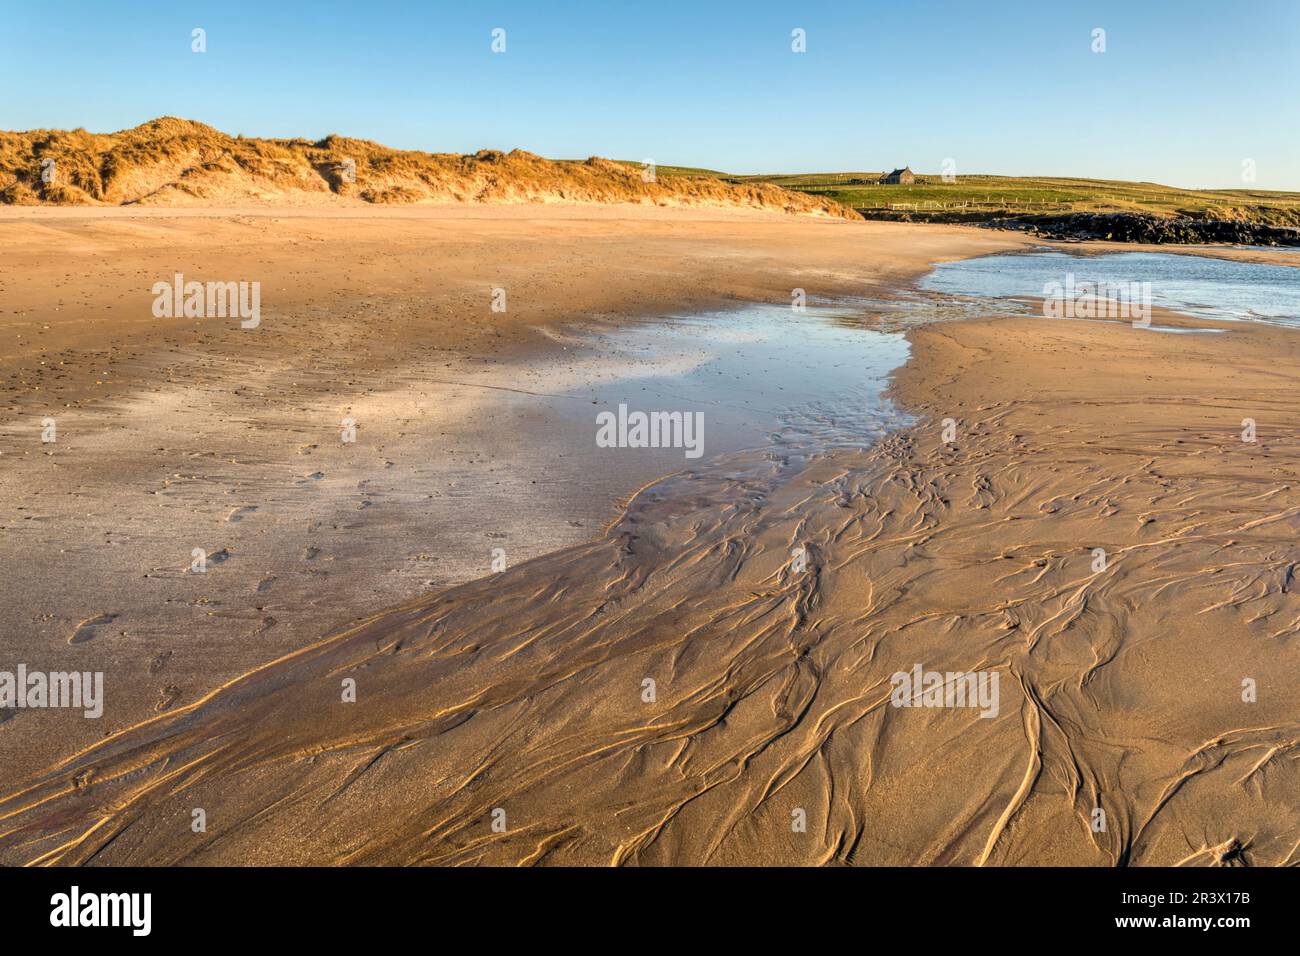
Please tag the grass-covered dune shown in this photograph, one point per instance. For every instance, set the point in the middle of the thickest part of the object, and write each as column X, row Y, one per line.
column 179, row 162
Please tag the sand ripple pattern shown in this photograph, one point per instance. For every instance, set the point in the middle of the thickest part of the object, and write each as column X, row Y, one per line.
column 523, row 691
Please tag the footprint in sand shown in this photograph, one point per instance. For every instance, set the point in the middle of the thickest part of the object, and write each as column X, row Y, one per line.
column 166, row 697
column 89, row 629
column 218, row 557
column 238, row 513
column 309, row 553
column 159, row 662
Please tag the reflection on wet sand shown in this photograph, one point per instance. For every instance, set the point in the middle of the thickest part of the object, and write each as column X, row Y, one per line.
column 717, row 667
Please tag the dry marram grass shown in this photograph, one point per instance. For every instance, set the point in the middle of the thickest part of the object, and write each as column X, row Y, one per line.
column 178, row 162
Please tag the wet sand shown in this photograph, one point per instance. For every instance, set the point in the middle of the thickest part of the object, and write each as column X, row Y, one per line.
column 521, row 698
column 177, row 434
column 1263, row 255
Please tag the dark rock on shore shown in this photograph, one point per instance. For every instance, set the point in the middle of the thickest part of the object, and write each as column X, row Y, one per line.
column 1140, row 227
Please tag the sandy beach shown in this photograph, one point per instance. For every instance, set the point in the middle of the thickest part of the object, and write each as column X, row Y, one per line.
column 519, row 697
column 183, row 434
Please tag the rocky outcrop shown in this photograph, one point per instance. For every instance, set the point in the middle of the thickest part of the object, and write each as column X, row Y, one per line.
column 1139, row 227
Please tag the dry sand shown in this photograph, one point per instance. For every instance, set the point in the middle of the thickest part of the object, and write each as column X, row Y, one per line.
column 523, row 692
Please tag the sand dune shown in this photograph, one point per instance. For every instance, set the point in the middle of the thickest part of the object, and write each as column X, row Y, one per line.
column 176, row 162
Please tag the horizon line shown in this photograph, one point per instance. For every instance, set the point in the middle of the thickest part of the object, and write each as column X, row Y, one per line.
column 658, row 164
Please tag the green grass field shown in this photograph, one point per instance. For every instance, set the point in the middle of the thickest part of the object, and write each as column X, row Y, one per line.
column 989, row 196
column 1080, row 195
column 680, row 170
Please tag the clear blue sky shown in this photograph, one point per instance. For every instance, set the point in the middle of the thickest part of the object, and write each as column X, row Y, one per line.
column 1186, row 90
